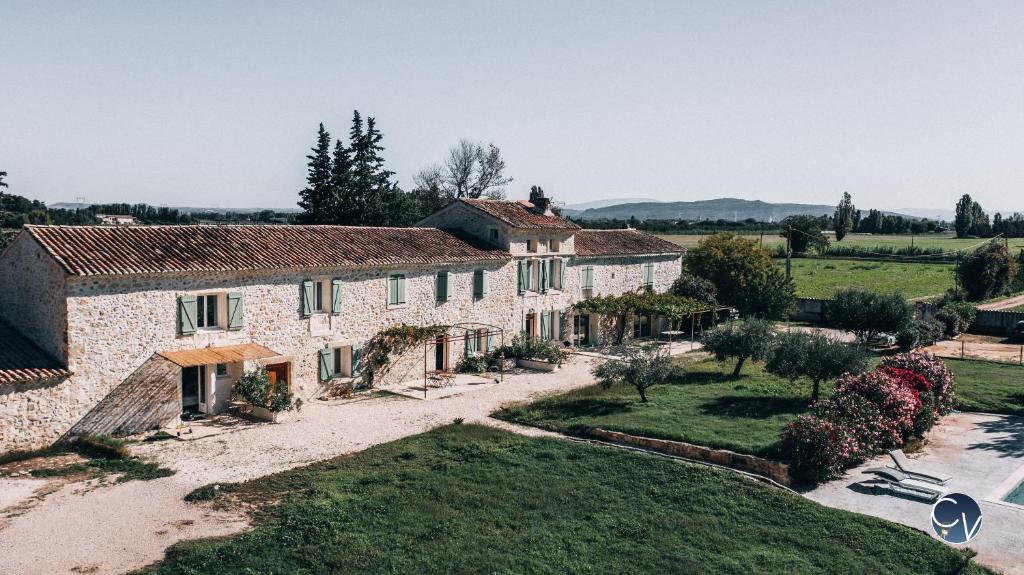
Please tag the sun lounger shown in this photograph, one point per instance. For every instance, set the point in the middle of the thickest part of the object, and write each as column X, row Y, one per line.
column 914, row 491
column 904, row 465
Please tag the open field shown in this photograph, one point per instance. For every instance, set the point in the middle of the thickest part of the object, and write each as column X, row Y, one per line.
column 473, row 499
column 746, row 415
column 947, row 242
column 988, row 386
column 820, row 278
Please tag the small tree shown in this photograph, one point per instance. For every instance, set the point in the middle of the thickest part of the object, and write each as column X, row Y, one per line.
column 642, row 367
column 770, row 295
column 749, row 339
column 256, row 388
column 816, row 357
column 988, row 272
column 866, row 313
column 804, row 233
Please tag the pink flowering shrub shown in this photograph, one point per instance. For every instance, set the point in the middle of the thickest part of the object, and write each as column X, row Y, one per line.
column 819, row 448
column 921, row 388
column 861, row 418
column 897, row 403
column 934, row 371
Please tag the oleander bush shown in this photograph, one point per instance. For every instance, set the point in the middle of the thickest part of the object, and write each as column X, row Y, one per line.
column 934, row 371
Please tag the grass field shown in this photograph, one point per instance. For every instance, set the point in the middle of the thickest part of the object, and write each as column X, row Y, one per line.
column 945, row 241
column 989, row 387
column 746, row 415
column 821, row 278
column 473, row 499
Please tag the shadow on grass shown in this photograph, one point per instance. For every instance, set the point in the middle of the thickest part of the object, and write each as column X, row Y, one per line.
column 761, row 407
column 593, row 407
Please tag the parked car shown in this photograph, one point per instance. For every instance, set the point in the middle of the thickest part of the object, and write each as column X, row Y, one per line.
column 882, row 340
column 1018, row 331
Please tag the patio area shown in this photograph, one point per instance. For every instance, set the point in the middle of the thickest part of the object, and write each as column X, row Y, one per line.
column 985, row 456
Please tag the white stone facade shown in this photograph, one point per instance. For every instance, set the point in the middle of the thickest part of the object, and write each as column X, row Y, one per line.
column 105, row 327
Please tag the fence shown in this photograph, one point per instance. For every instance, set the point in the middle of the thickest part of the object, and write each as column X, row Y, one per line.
column 997, row 352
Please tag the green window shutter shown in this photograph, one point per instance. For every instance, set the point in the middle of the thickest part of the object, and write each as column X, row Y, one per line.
column 336, row 296
column 478, row 284
column 521, row 283
column 442, row 286
column 326, row 359
column 648, row 274
column 561, row 270
column 187, row 314
column 236, row 311
column 561, row 325
column 470, row 342
column 357, row 360
column 307, row 298
column 492, row 342
column 588, row 278
column 545, row 329
column 392, row 290
column 543, row 276
column 401, row 289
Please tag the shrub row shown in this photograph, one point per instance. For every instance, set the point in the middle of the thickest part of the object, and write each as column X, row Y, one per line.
column 869, row 414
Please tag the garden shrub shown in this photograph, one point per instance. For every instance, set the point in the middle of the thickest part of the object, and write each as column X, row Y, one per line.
column 473, row 364
column 896, row 402
column 956, row 317
column 525, row 347
column 934, row 371
column 819, row 448
column 256, row 388
column 860, row 417
column 920, row 333
column 102, row 446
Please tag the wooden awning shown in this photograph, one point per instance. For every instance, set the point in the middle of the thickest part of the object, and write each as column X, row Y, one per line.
column 212, row 355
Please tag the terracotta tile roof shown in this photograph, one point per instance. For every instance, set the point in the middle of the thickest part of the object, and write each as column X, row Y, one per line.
column 223, row 354
column 519, row 214
column 591, row 243
column 21, row 360
column 95, row 250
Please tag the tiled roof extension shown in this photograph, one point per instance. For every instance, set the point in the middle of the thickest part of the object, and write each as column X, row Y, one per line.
column 593, row 243
column 21, row 360
column 519, row 215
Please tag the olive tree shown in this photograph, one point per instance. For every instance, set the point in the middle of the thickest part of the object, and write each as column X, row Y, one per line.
column 814, row 356
column 642, row 367
column 749, row 339
column 866, row 313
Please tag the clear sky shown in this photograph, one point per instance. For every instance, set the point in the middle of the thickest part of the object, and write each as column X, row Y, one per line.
column 216, row 104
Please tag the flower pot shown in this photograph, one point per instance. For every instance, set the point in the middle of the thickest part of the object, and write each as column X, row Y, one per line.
column 267, row 415
column 537, row 364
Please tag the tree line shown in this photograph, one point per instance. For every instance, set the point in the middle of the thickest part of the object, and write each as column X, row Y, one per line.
column 972, row 221
column 348, row 183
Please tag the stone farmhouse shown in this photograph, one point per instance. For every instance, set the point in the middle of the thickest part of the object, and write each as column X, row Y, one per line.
column 123, row 329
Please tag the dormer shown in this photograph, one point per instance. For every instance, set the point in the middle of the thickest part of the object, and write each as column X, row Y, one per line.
column 521, row 227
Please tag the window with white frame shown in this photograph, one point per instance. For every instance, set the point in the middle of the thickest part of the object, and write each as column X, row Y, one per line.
column 396, row 289
column 207, row 312
column 318, row 296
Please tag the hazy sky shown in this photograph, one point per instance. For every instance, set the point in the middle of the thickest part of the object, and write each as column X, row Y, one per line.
column 216, row 104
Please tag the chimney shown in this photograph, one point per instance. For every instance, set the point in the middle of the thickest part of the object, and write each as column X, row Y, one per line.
column 542, row 205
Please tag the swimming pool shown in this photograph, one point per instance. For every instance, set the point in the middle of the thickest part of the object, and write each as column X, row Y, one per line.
column 1016, row 495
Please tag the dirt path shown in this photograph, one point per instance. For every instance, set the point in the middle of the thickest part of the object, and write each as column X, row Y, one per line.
column 968, row 349
column 1003, row 303
column 118, row 528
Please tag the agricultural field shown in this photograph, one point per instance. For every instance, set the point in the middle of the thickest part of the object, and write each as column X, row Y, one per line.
column 473, row 499
column 820, row 278
column 947, row 242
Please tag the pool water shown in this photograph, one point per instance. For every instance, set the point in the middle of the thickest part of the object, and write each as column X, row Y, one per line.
column 1016, row 495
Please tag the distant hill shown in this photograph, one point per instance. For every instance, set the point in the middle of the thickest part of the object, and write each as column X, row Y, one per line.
column 604, row 203
column 722, row 208
column 183, row 209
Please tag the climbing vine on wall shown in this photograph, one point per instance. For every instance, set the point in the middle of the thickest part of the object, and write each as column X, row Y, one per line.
column 395, row 340
column 674, row 307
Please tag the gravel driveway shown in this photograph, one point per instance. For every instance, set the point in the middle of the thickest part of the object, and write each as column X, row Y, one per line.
column 117, row 528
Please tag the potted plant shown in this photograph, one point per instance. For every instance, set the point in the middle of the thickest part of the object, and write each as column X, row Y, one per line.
column 532, row 353
column 268, row 399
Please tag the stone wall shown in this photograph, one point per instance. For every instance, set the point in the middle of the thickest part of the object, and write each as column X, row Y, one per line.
column 995, row 322
column 778, row 472
column 32, row 295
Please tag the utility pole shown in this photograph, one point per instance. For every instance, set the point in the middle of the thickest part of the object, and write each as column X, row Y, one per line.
column 789, row 255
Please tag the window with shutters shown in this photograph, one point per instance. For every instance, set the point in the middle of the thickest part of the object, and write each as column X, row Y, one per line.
column 208, row 314
column 441, row 286
column 587, row 281
column 479, row 284
column 531, row 246
column 339, row 361
column 396, row 289
column 554, row 245
column 648, row 275
column 318, row 296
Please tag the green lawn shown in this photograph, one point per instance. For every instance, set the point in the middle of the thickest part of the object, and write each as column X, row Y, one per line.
column 746, row 415
column 472, row 499
column 987, row 386
column 945, row 241
column 820, row 278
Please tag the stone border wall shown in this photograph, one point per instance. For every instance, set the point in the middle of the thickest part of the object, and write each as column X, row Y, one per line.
column 778, row 472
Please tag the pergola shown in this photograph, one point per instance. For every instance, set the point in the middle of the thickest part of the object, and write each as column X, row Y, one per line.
column 462, row 334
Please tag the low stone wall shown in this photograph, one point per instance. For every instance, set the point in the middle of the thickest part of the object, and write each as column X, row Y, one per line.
column 810, row 310
column 995, row 322
column 778, row 472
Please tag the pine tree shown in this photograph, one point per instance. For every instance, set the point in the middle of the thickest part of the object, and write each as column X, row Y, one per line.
column 316, row 199
column 341, row 182
column 844, row 217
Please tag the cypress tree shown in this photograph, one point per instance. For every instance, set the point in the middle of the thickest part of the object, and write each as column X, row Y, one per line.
column 341, row 182
column 316, row 198
column 844, row 218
